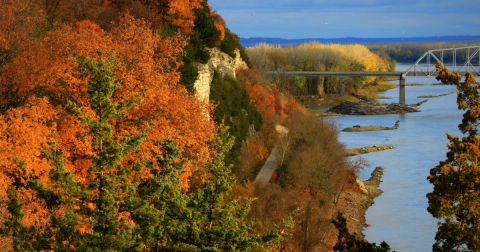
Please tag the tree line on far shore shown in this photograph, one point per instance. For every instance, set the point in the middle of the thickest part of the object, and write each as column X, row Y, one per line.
column 412, row 51
column 314, row 56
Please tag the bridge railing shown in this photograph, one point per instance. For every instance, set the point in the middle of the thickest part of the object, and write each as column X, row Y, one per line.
column 470, row 53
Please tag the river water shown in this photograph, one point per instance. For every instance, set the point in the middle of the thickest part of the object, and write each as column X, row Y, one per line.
column 399, row 216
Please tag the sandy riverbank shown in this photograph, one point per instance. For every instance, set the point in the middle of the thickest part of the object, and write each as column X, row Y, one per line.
column 358, row 128
column 433, row 96
column 368, row 149
column 367, row 128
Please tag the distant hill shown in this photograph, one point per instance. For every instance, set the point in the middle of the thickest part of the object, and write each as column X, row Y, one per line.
column 246, row 42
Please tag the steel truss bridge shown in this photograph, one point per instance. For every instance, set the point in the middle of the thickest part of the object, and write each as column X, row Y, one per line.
column 416, row 70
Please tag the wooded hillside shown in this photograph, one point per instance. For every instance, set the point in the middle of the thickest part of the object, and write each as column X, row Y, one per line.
column 105, row 146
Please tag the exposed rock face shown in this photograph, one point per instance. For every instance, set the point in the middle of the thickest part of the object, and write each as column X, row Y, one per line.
column 361, row 185
column 221, row 62
column 202, row 84
column 239, row 63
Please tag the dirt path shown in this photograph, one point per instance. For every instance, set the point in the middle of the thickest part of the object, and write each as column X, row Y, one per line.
column 270, row 165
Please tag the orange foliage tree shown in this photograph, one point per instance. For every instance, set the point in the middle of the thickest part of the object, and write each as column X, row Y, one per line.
column 174, row 14
column 291, row 106
column 259, row 96
column 445, row 76
column 220, row 23
column 455, row 196
column 181, row 15
column 278, row 105
column 19, row 20
column 146, row 70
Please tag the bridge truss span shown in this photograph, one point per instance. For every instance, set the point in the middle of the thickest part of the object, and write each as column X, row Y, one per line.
column 424, row 70
column 433, row 56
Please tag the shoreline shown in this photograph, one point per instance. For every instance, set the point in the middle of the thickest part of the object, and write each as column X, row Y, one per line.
column 356, row 204
column 358, row 128
column 367, row 93
column 367, row 149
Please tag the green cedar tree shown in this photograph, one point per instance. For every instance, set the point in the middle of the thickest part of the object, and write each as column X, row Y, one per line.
column 234, row 107
column 120, row 211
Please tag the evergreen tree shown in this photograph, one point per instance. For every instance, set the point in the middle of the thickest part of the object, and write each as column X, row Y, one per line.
column 205, row 26
column 205, row 34
column 188, row 71
column 234, row 107
column 120, row 210
column 86, row 216
column 207, row 222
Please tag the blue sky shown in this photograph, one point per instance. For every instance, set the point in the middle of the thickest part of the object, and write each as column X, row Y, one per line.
column 290, row 19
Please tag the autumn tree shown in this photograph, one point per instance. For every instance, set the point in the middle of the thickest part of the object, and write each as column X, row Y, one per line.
column 455, row 196
column 234, row 107
column 210, row 223
column 445, row 76
column 48, row 76
column 313, row 177
column 257, row 88
column 19, row 22
column 315, row 56
column 291, row 106
column 80, row 215
column 120, row 210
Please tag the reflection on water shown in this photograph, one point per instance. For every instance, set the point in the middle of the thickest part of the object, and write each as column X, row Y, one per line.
column 399, row 216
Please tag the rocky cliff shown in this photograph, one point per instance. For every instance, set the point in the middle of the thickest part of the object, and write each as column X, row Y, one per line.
column 221, row 62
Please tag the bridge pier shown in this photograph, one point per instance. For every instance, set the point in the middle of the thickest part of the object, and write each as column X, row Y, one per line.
column 343, row 89
column 401, row 87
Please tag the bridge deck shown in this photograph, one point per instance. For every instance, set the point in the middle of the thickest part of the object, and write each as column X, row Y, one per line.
column 353, row 74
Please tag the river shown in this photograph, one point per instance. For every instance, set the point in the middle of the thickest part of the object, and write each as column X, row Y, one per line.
column 399, row 216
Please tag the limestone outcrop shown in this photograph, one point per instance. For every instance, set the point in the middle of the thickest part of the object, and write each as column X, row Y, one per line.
column 221, row 62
